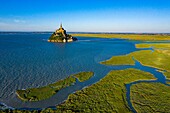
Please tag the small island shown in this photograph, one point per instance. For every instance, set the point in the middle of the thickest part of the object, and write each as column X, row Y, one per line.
column 60, row 35
column 45, row 92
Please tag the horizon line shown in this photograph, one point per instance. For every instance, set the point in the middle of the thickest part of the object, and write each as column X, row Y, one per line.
column 87, row 32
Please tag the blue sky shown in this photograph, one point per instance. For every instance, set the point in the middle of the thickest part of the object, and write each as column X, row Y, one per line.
column 86, row 15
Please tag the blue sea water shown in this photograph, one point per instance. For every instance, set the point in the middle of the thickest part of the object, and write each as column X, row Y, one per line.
column 28, row 60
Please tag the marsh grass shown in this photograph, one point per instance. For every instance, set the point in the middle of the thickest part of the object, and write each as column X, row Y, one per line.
column 107, row 95
column 155, row 59
column 120, row 60
column 41, row 93
column 150, row 97
column 148, row 37
column 83, row 76
column 160, row 57
column 155, row 45
column 167, row 74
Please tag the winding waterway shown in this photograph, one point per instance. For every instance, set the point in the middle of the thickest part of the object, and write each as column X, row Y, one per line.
column 28, row 60
column 158, row 75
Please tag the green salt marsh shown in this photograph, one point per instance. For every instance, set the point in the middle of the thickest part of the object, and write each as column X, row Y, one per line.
column 107, row 95
column 150, row 97
column 41, row 93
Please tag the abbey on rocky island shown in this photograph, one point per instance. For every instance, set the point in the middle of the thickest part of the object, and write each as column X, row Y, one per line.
column 60, row 35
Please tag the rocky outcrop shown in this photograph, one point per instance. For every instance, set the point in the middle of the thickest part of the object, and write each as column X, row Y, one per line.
column 60, row 35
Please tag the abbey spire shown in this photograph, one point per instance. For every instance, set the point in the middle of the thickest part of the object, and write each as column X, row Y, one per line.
column 61, row 25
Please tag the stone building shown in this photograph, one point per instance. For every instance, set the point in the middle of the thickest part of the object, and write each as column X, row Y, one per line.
column 60, row 35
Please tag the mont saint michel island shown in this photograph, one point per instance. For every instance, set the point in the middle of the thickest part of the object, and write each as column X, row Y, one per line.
column 90, row 56
column 60, row 35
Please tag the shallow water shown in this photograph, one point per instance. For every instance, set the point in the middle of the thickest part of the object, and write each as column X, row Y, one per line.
column 28, row 60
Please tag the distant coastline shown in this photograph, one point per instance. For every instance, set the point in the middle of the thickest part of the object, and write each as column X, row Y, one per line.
column 37, row 32
column 129, row 36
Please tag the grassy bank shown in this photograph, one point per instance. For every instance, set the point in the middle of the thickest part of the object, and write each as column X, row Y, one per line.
column 167, row 74
column 163, row 46
column 156, row 59
column 162, row 60
column 41, row 93
column 150, row 97
column 83, row 76
column 120, row 60
column 108, row 95
column 148, row 37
